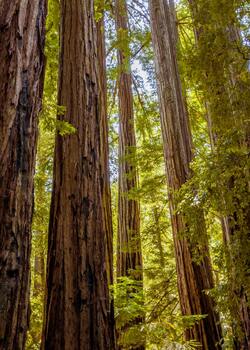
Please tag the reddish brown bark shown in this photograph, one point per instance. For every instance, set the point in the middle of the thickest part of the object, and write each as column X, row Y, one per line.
column 22, row 27
column 193, row 278
column 77, row 304
column 106, row 195
column 129, row 257
column 105, row 149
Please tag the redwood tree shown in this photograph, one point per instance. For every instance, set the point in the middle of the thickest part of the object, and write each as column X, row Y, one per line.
column 106, row 195
column 77, row 314
column 105, row 149
column 229, row 112
column 193, row 277
column 129, row 255
column 22, row 29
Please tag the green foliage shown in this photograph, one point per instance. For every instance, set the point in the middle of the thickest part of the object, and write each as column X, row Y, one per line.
column 43, row 179
column 101, row 6
column 215, row 76
column 43, row 176
column 50, row 108
column 215, row 67
column 34, row 335
column 128, row 294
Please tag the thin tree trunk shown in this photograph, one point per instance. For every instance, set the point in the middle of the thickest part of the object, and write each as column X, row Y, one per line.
column 129, row 255
column 193, row 277
column 77, row 304
column 106, row 205
column 158, row 233
column 39, row 274
column 22, row 29
column 105, row 149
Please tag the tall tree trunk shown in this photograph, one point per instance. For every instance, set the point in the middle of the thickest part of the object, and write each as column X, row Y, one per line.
column 107, row 211
column 77, row 303
column 22, row 28
column 129, row 255
column 105, row 149
column 193, row 277
column 240, row 310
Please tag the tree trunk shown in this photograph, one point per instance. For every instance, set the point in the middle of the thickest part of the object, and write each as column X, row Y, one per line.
column 105, row 149
column 129, row 255
column 39, row 274
column 22, row 29
column 107, row 210
column 240, row 310
column 193, row 277
column 77, row 303
column 158, row 233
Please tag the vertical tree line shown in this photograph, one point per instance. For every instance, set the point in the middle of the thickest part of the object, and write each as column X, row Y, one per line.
column 226, row 76
column 193, row 278
column 106, row 194
column 129, row 254
column 22, row 37
column 79, row 310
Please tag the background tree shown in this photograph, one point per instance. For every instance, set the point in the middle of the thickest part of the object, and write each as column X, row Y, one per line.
column 21, row 87
column 228, row 77
column 107, row 210
column 221, row 48
column 194, row 277
column 44, row 176
column 129, row 254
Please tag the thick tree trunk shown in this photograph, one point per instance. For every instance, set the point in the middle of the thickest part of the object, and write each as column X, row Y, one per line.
column 77, row 304
column 129, row 255
column 22, row 28
column 193, row 278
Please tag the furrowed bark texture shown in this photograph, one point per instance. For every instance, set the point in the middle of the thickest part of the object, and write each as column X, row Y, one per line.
column 193, row 278
column 77, row 314
column 129, row 255
column 22, row 29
